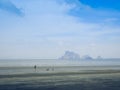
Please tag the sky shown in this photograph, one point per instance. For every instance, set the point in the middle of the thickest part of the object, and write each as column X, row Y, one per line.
column 45, row 29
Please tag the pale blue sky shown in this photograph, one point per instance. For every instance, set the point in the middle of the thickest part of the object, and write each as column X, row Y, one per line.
column 47, row 28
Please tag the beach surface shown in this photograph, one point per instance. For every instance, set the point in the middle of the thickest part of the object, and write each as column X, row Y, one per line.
column 60, row 78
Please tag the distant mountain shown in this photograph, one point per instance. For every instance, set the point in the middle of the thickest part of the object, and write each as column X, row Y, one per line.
column 87, row 57
column 99, row 58
column 69, row 55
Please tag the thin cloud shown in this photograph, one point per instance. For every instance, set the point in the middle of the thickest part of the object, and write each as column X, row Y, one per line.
column 8, row 6
column 47, row 27
column 87, row 13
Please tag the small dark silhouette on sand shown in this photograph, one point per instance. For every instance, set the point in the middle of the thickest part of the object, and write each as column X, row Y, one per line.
column 47, row 69
column 35, row 67
column 53, row 69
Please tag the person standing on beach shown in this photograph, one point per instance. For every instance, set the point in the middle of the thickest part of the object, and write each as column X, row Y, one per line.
column 35, row 67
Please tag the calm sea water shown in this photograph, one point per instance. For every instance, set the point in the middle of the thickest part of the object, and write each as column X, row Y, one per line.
column 26, row 66
column 50, row 62
column 78, row 82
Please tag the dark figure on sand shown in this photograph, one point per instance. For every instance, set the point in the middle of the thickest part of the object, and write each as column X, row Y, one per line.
column 47, row 69
column 35, row 67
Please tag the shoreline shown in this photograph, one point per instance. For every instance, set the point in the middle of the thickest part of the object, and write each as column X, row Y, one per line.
column 94, row 79
column 51, row 70
column 46, row 74
column 23, row 66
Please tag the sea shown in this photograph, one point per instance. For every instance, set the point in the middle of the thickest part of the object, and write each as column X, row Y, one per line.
column 20, row 74
column 21, row 66
column 57, row 62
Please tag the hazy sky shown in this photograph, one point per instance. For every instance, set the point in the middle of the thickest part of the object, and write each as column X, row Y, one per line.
column 47, row 28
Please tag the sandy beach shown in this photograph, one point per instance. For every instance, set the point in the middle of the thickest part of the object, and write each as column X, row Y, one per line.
column 61, row 79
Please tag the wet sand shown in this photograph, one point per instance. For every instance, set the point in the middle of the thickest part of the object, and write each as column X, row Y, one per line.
column 62, row 80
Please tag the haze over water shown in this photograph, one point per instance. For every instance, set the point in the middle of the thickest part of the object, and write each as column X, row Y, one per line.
column 57, row 62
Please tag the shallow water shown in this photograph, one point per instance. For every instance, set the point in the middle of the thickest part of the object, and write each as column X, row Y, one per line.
column 53, row 69
column 56, row 62
column 25, row 77
column 62, row 82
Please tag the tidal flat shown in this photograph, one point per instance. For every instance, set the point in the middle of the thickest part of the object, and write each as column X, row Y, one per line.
column 60, row 78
